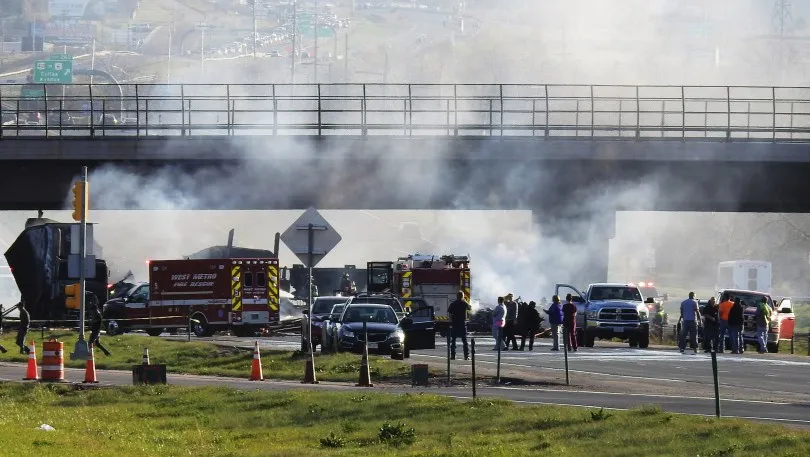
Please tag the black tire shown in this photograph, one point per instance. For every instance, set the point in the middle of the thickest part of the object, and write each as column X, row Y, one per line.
column 154, row 331
column 406, row 352
column 590, row 341
column 773, row 348
column 580, row 337
column 201, row 328
column 398, row 356
column 644, row 340
column 633, row 341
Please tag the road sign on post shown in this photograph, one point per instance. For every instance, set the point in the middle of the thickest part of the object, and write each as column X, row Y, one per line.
column 53, row 72
column 310, row 238
column 324, row 237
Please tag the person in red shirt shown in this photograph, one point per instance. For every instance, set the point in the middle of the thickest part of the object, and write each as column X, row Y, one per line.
column 570, row 323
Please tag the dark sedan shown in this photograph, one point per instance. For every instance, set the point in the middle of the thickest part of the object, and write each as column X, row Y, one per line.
column 382, row 327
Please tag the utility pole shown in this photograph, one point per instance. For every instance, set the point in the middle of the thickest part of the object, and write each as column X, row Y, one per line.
column 346, row 59
column 171, row 35
column 255, row 34
column 316, row 45
column 294, row 32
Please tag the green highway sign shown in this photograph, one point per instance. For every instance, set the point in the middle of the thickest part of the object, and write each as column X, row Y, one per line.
column 32, row 93
column 60, row 57
column 53, row 72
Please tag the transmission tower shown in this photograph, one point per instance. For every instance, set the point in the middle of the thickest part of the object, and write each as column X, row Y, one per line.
column 782, row 27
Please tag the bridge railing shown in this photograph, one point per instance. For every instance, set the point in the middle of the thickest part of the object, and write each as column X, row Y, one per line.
column 565, row 111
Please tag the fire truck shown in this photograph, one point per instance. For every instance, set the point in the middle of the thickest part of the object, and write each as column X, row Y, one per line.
column 236, row 294
column 436, row 280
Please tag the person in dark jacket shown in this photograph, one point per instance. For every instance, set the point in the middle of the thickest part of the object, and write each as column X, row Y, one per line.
column 711, row 325
column 95, row 322
column 511, row 322
column 22, row 330
column 569, row 310
column 2, row 348
column 555, row 319
column 735, row 326
column 530, row 319
column 458, row 324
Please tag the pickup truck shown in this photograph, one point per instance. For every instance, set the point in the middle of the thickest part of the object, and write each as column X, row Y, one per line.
column 782, row 323
column 608, row 310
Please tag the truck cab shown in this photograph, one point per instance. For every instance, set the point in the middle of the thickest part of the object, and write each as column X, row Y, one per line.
column 609, row 310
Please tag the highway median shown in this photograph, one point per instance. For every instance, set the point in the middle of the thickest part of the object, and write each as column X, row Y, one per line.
column 201, row 358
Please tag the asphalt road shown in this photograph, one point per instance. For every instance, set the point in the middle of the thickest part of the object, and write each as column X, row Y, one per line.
column 793, row 414
column 756, row 386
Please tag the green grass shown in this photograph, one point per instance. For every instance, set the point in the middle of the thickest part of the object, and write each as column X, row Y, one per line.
column 208, row 359
column 170, row 420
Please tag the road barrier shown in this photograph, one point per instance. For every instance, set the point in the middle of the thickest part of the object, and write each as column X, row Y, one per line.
column 53, row 361
column 31, row 373
column 721, row 113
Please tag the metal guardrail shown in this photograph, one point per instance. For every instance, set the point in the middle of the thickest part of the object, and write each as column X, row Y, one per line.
column 778, row 114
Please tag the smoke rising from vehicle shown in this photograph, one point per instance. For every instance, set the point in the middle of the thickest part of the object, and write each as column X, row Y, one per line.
column 577, row 41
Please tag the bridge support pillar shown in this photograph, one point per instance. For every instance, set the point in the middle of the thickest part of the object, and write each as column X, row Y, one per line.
column 583, row 242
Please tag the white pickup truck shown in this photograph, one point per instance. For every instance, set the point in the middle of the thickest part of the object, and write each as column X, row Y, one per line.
column 608, row 310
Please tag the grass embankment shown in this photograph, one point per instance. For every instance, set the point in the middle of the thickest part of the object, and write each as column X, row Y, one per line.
column 170, row 420
column 209, row 359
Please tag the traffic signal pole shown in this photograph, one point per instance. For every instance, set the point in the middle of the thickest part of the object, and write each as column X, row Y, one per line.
column 81, row 351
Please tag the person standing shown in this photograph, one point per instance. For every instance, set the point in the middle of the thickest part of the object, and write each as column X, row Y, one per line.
column 95, row 322
column 22, row 330
column 736, row 320
column 510, row 328
column 763, row 319
column 725, row 307
column 531, row 321
column 555, row 319
column 569, row 311
column 710, row 326
column 690, row 316
column 498, row 322
column 457, row 311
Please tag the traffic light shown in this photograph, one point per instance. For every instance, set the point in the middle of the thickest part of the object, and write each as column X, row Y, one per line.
column 81, row 194
column 72, row 296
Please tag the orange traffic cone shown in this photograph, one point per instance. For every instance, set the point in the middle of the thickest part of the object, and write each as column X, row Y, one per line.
column 90, row 372
column 365, row 372
column 256, row 371
column 31, row 374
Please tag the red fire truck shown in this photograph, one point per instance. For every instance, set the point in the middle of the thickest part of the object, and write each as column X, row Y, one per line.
column 240, row 295
column 436, row 280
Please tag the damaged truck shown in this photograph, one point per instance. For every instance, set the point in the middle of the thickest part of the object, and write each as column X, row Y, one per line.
column 38, row 260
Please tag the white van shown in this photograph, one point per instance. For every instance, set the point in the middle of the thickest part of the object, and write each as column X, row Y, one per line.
column 752, row 275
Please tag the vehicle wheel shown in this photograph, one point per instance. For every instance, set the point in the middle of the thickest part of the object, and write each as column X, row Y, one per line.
column 406, row 353
column 580, row 337
column 773, row 347
column 154, row 331
column 589, row 341
column 633, row 342
column 644, row 340
column 113, row 328
column 201, row 328
column 398, row 356
column 304, row 346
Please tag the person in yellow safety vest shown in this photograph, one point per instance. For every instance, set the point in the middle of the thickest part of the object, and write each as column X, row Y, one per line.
column 660, row 318
column 763, row 319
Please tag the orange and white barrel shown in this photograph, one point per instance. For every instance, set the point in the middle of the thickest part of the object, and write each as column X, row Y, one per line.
column 53, row 361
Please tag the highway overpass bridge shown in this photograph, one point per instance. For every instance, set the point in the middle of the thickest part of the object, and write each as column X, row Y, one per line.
column 568, row 153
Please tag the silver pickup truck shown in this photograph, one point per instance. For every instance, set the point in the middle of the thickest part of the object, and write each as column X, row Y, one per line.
column 609, row 311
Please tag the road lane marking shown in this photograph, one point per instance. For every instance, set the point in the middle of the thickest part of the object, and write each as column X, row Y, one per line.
column 577, row 405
